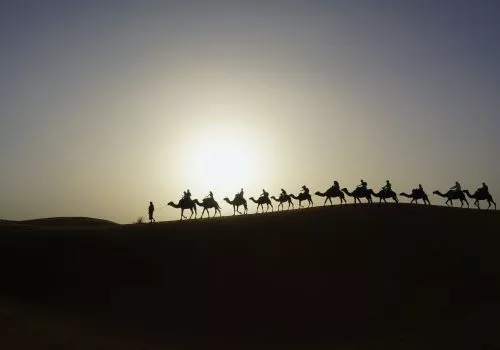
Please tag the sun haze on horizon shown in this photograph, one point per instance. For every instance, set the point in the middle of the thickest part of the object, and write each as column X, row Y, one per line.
column 105, row 106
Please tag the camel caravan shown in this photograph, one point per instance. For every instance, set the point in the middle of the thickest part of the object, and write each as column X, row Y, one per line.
column 361, row 192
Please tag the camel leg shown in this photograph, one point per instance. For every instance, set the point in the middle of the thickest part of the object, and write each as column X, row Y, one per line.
column 325, row 201
column 477, row 204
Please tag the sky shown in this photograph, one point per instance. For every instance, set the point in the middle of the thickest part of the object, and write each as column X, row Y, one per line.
column 107, row 105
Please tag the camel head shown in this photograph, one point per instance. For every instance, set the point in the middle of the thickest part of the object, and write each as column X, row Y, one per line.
column 170, row 203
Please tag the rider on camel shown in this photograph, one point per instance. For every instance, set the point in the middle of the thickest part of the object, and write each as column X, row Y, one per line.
column 457, row 188
column 210, row 195
column 265, row 194
column 388, row 187
column 362, row 186
column 483, row 190
column 305, row 189
column 335, row 186
column 187, row 195
column 283, row 194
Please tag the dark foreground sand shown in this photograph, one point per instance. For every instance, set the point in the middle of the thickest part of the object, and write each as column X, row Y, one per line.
column 394, row 277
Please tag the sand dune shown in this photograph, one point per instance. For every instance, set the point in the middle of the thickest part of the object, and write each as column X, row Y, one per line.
column 341, row 277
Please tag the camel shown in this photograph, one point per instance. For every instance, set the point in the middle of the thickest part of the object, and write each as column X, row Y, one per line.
column 383, row 195
column 283, row 199
column 480, row 196
column 359, row 193
column 303, row 197
column 238, row 200
column 332, row 193
column 208, row 203
column 416, row 195
column 185, row 203
column 260, row 203
column 451, row 195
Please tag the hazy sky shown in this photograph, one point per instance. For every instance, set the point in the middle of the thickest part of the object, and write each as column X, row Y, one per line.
column 105, row 106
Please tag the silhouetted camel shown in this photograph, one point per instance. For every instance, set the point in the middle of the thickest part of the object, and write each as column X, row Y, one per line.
column 384, row 194
column 303, row 197
column 359, row 193
column 332, row 193
column 185, row 203
column 451, row 195
column 481, row 196
column 238, row 200
column 416, row 195
column 283, row 199
column 260, row 203
column 208, row 203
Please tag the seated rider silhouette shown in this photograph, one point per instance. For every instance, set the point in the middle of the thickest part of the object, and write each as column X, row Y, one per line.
column 265, row 194
column 187, row 195
column 420, row 189
column 210, row 195
column 388, row 187
column 483, row 190
column 336, row 186
column 305, row 189
column 457, row 188
column 283, row 194
column 240, row 194
column 363, row 186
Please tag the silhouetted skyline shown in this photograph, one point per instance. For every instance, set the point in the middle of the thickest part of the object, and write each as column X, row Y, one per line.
column 106, row 106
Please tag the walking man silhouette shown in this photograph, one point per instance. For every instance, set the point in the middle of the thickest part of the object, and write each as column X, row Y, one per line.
column 151, row 210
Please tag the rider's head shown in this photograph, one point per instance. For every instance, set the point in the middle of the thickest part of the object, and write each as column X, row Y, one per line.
column 336, row 182
column 484, row 184
column 304, row 187
column 387, row 181
column 456, row 182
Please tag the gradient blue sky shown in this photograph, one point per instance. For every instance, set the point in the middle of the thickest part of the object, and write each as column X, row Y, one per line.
column 106, row 105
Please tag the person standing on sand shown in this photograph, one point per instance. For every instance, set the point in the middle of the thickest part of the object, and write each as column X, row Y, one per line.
column 151, row 210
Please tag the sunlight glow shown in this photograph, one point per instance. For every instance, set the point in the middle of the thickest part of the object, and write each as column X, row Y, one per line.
column 221, row 158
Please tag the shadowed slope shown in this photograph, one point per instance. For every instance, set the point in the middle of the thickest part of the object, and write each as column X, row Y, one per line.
column 59, row 222
column 329, row 277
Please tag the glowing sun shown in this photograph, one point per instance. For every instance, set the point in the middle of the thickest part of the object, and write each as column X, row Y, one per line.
column 221, row 159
